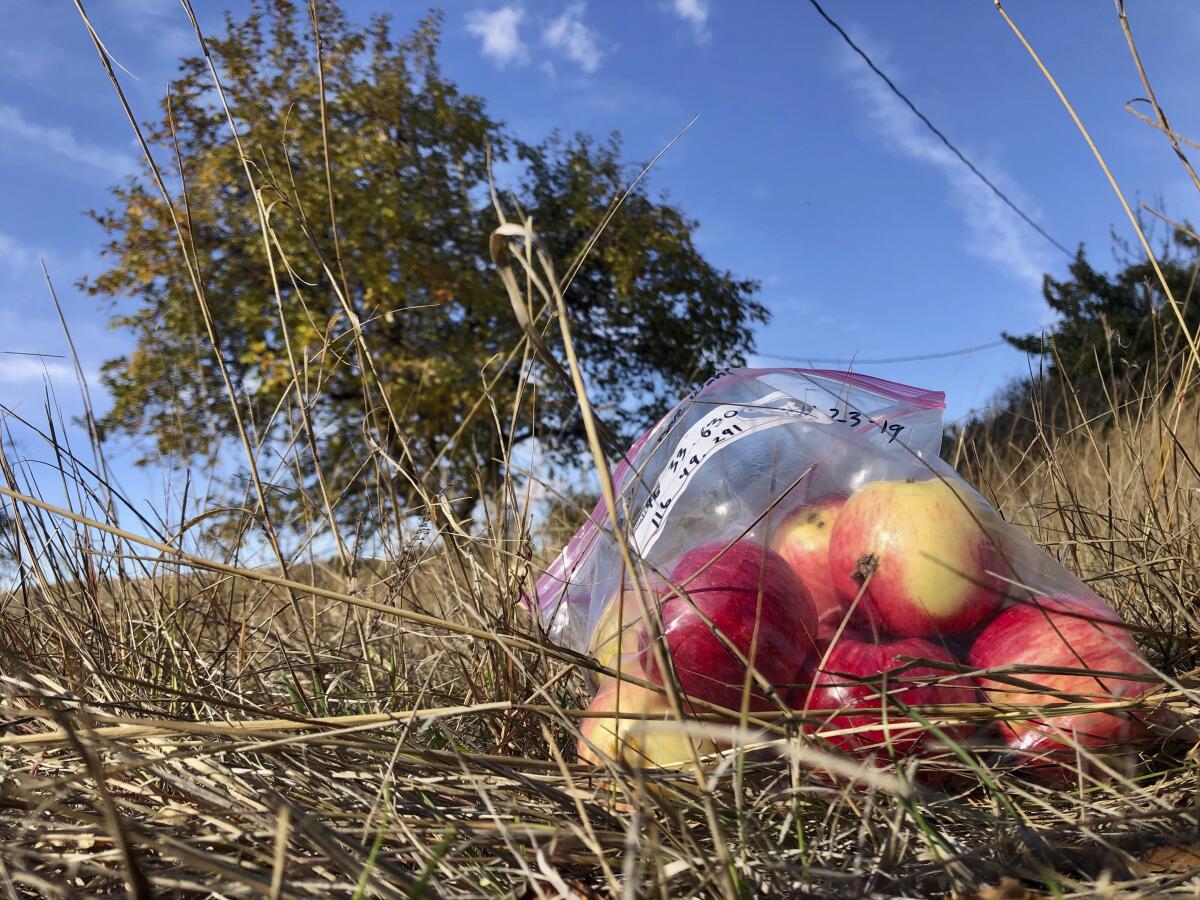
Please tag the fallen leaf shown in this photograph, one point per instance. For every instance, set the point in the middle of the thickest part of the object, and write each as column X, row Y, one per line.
column 1171, row 859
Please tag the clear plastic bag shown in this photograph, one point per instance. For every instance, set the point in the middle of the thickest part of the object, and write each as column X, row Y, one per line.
column 830, row 480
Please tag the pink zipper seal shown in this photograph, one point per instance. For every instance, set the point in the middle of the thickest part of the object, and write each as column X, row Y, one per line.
column 920, row 397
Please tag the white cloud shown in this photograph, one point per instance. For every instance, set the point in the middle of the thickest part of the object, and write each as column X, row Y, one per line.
column 13, row 253
column 14, row 127
column 146, row 9
column 993, row 230
column 25, row 369
column 569, row 36
column 500, row 33
column 161, row 25
column 30, row 62
column 695, row 14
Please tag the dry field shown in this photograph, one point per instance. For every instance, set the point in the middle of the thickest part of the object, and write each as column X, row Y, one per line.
column 179, row 721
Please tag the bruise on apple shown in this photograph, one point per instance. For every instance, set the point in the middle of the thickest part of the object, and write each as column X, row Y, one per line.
column 1083, row 637
column 920, row 556
column 735, row 604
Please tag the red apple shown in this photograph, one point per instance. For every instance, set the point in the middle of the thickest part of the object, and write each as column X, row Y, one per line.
column 626, row 739
column 741, row 589
column 932, row 567
column 803, row 540
column 865, row 685
column 1067, row 633
column 798, row 690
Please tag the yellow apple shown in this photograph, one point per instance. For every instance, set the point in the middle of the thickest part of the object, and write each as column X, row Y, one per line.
column 618, row 632
column 630, row 740
column 803, row 540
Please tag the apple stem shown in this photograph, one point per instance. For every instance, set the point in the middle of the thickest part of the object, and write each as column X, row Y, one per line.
column 867, row 566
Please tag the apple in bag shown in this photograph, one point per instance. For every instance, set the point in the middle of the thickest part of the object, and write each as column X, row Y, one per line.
column 920, row 555
column 618, row 634
column 625, row 738
column 802, row 539
column 1082, row 636
column 867, row 687
column 736, row 604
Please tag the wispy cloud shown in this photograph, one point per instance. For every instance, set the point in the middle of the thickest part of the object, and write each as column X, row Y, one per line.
column 500, row 34
column 26, row 369
column 569, row 36
column 30, row 61
column 695, row 14
column 14, row 254
column 993, row 231
column 145, row 9
column 172, row 36
column 60, row 141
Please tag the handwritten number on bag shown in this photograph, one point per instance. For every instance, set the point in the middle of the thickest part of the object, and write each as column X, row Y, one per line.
column 659, row 507
column 849, row 416
column 730, row 429
column 853, row 418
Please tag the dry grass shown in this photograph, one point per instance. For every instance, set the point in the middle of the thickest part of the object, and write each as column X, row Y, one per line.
column 167, row 726
column 1114, row 494
column 175, row 722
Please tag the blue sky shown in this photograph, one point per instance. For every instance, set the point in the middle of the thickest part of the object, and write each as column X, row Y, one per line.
column 869, row 239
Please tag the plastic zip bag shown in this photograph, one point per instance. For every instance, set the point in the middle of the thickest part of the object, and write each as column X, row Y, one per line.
column 773, row 512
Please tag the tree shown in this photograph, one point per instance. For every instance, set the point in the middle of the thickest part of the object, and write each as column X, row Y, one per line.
column 1110, row 331
column 1117, row 324
column 409, row 254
